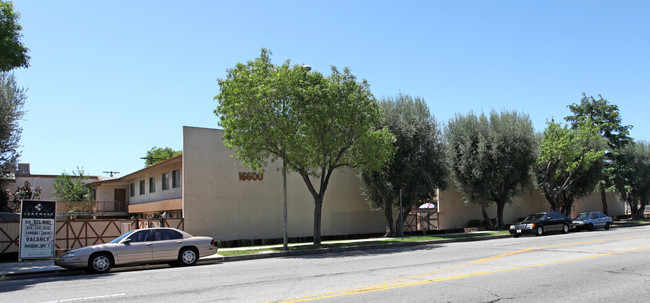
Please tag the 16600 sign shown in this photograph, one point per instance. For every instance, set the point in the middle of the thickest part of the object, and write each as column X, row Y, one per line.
column 250, row 176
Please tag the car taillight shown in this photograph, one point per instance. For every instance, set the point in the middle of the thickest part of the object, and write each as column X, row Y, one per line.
column 212, row 242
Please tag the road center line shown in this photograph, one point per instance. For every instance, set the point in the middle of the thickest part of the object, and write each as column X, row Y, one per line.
column 415, row 280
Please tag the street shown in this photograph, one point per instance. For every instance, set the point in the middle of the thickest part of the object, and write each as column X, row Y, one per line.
column 595, row 266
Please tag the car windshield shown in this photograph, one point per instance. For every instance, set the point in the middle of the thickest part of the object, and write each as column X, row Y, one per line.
column 118, row 239
column 534, row 217
column 582, row 216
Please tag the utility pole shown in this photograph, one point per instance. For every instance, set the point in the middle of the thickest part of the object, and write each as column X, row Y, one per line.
column 111, row 173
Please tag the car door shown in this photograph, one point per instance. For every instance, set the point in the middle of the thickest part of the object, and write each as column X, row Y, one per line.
column 166, row 244
column 136, row 248
column 555, row 222
column 599, row 220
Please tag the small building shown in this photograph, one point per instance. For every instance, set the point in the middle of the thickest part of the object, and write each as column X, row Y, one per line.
column 151, row 192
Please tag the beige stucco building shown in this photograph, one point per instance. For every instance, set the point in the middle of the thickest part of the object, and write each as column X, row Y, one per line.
column 217, row 196
column 147, row 193
column 220, row 203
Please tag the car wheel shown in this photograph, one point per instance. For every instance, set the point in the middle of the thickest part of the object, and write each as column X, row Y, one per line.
column 515, row 236
column 607, row 225
column 187, row 256
column 565, row 229
column 539, row 231
column 100, row 263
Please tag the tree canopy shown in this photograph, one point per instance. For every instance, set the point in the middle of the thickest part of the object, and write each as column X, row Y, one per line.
column 565, row 168
column 418, row 167
column 13, row 53
column 633, row 185
column 606, row 116
column 490, row 157
column 314, row 123
column 72, row 188
column 158, row 154
column 12, row 100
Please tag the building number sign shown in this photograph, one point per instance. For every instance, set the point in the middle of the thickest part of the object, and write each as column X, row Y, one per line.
column 248, row 176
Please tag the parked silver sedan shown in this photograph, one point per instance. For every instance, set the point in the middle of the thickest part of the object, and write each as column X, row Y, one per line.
column 591, row 220
column 141, row 246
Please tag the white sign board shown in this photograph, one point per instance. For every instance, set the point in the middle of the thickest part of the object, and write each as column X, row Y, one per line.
column 37, row 229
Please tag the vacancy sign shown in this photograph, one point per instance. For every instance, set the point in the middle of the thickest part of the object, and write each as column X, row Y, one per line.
column 37, row 229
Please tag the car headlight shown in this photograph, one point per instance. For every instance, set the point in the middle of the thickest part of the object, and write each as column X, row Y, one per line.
column 68, row 255
column 512, row 227
column 530, row 226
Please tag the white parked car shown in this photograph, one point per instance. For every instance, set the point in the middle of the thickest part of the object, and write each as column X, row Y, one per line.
column 141, row 246
column 591, row 220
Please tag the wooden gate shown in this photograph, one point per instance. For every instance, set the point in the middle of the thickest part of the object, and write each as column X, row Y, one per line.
column 421, row 219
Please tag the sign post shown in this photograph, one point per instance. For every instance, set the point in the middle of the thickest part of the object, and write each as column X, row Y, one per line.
column 37, row 229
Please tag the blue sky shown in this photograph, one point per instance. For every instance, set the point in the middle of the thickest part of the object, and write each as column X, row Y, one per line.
column 111, row 79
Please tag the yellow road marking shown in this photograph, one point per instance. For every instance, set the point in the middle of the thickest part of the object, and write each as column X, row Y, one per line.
column 399, row 283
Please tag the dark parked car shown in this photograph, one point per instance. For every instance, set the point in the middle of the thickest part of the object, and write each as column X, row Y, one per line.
column 541, row 223
column 591, row 220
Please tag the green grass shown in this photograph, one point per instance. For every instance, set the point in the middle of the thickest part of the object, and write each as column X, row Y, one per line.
column 330, row 244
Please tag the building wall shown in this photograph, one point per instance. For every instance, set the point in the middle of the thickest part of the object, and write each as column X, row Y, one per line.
column 455, row 214
column 218, row 204
column 156, row 172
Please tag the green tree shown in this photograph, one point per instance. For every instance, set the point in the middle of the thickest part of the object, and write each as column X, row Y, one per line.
column 511, row 149
column 13, row 53
column 158, row 154
column 490, row 158
column 314, row 124
column 12, row 100
column 72, row 188
column 418, row 167
column 606, row 116
column 633, row 185
column 564, row 169
column 25, row 192
column 465, row 158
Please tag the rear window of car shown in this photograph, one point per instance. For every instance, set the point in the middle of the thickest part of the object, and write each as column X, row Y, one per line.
column 167, row 234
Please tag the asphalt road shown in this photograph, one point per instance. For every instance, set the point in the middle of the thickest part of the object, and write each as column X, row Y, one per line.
column 596, row 266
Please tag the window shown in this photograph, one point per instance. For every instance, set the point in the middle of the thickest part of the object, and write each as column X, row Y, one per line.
column 132, row 189
column 141, row 236
column 142, row 187
column 167, row 234
column 176, row 178
column 165, row 181
column 152, row 185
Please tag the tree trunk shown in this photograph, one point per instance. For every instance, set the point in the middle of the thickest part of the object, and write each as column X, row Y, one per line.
column 388, row 216
column 500, row 206
column 553, row 201
column 486, row 217
column 634, row 207
column 603, row 197
column 318, row 205
column 644, row 202
column 401, row 218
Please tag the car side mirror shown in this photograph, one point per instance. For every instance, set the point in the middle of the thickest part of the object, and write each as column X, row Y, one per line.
column 548, row 218
column 127, row 241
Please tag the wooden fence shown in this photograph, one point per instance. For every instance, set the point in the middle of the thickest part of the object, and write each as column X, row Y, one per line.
column 79, row 233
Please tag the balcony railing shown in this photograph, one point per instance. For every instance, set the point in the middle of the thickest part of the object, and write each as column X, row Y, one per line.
column 84, row 207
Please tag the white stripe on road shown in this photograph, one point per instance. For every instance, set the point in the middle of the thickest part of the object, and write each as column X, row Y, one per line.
column 87, row 298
